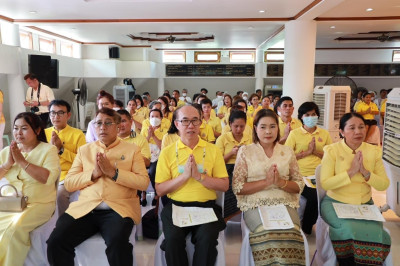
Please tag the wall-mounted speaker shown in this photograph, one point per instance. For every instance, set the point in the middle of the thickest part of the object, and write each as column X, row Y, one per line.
column 114, row 52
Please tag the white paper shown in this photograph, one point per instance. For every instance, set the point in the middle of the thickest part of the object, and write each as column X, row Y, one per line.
column 275, row 217
column 189, row 216
column 360, row 212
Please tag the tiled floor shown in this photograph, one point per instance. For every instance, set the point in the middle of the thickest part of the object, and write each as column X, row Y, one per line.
column 145, row 249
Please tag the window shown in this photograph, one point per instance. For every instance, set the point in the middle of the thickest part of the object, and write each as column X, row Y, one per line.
column 396, row 56
column 25, row 39
column 277, row 56
column 241, row 57
column 207, row 57
column 66, row 49
column 174, row 57
column 47, row 45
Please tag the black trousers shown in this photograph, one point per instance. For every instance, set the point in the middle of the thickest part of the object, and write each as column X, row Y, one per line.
column 311, row 211
column 70, row 232
column 152, row 174
column 204, row 237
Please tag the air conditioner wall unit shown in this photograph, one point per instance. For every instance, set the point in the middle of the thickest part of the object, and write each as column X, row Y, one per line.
column 123, row 93
column 333, row 102
column 391, row 149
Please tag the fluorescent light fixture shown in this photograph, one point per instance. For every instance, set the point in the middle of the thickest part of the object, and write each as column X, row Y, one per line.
column 332, row 27
column 33, row 12
column 369, row 9
column 261, row 11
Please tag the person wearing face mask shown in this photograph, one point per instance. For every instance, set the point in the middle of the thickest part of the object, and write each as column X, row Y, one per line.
column 154, row 134
column 245, row 96
column 185, row 97
column 118, row 105
column 308, row 142
column 218, row 98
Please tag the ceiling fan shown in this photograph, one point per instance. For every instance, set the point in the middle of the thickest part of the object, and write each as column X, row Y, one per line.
column 381, row 36
column 171, row 38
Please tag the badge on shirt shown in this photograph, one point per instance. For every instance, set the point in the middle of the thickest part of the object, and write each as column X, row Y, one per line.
column 203, row 135
column 320, row 139
column 282, row 153
column 341, row 158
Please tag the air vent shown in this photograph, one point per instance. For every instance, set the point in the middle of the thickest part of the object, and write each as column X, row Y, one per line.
column 319, row 99
column 392, row 119
column 340, row 105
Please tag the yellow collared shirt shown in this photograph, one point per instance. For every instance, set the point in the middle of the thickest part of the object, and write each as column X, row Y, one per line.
column 72, row 138
column 226, row 142
column 192, row 190
column 141, row 142
column 120, row 195
column 299, row 139
column 252, row 112
column 168, row 139
column 206, row 132
column 362, row 107
column 180, row 103
column 295, row 123
column 355, row 190
column 215, row 123
column 159, row 132
column 143, row 111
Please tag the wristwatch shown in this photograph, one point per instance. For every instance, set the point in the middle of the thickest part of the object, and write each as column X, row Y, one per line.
column 116, row 175
column 61, row 151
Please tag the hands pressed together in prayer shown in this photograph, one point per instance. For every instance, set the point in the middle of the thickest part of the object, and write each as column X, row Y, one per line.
column 357, row 166
column 191, row 169
column 102, row 167
column 273, row 177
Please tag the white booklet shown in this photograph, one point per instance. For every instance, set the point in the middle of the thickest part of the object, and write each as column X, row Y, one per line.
column 189, row 216
column 275, row 217
column 360, row 212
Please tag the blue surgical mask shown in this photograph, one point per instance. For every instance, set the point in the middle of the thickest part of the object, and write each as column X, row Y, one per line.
column 310, row 121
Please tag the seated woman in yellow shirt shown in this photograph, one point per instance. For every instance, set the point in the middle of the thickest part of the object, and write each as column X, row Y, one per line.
column 266, row 103
column 137, row 117
column 224, row 110
column 350, row 169
column 308, row 142
column 229, row 143
column 254, row 107
column 368, row 110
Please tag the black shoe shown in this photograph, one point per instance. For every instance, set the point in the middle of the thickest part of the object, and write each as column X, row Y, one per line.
column 153, row 202
column 143, row 202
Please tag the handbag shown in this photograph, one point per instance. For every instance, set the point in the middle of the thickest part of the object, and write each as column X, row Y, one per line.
column 12, row 203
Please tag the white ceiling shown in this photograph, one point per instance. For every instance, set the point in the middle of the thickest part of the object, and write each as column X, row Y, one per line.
column 234, row 23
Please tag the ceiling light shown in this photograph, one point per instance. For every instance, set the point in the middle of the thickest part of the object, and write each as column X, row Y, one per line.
column 250, row 27
column 261, row 11
column 369, row 9
column 33, row 12
column 332, row 27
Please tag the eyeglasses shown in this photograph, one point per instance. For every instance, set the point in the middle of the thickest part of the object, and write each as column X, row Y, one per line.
column 106, row 124
column 59, row 113
column 186, row 122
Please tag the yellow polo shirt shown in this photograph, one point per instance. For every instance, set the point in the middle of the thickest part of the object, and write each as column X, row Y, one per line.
column 226, row 142
column 165, row 123
column 180, row 103
column 362, row 107
column 141, row 142
column 143, row 111
column 383, row 106
column 138, row 117
column 159, row 132
column 252, row 112
column 72, row 138
column 207, row 132
column 295, row 123
column 204, row 153
column 168, row 139
column 215, row 123
column 335, row 180
column 299, row 139
column 248, row 130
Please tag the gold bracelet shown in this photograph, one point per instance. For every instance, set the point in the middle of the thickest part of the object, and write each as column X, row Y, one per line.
column 26, row 166
column 286, row 182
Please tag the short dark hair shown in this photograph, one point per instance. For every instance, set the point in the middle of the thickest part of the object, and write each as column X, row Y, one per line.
column 204, row 89
column 280, row 101
column 261, row 114
column 60, row 103
column 382, row 90
column 110, row 112
column 30, row 76
column 365, row 94
column 124, row 112
column 156, row 110
column 252, row 96
column 237, row 114
column 258, row 90
column 346, row 117
column 239, row 92
column 205, row 101
column 146, row 93
column 104, row 94
column 176, row 91
column 307, row 107
column 34, row 122
column 119, row 103
column 151, row 105
column 240, row 100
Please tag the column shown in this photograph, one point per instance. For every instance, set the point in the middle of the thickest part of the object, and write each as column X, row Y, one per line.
column 160, row 87
column 298, row 76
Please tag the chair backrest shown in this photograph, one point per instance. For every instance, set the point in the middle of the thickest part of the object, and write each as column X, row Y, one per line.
column 320, row 191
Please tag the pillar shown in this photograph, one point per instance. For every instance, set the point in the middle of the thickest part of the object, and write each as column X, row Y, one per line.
column 160, row 87
column 298, row 76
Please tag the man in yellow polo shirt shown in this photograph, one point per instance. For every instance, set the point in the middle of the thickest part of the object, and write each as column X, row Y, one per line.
column 284, row 108
column 67, row 140
column 176, row 95
column 190, row 172
column 213, row 121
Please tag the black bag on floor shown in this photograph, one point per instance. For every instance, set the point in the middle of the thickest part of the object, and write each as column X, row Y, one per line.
column 150, row 224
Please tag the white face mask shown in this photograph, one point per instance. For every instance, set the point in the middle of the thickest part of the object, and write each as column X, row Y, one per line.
column 184, row 94
column 219, row 96
column 162, row 107
column 138, row 107
column 155, row 122
column 115, row 108
column 245, row 98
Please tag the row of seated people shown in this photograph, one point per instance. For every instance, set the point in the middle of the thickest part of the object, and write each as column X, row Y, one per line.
column 189, row 171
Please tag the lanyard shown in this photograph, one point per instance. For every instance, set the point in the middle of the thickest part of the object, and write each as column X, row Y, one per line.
column 38, row 94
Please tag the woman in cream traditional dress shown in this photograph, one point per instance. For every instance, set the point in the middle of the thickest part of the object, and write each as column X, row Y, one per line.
column 32, row 166
column 266, row 173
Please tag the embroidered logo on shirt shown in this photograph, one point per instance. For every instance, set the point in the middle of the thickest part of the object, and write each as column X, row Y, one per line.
column 320, row 139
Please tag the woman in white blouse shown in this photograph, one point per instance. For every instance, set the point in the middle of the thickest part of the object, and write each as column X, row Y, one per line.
column 266, row 173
